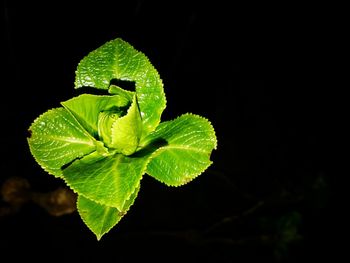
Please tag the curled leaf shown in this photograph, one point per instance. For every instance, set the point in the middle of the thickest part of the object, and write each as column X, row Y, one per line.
column 127, row 130
column 117, row 59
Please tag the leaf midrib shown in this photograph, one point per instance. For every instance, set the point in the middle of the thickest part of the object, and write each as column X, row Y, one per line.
column 105, row 213
column 115, row 66
column 71, row 140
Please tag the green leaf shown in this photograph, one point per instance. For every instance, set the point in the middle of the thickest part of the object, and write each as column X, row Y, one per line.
column 126, row 131
column 115, row 90
column 109, row 180
column 57, row 139
column 86, row 108
column 119, row 60
column 189, row 142
column 100, row 218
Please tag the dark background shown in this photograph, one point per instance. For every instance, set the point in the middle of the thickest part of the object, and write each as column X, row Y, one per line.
column 257, row 72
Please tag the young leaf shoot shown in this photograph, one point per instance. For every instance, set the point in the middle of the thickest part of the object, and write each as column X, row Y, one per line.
column 102, row 145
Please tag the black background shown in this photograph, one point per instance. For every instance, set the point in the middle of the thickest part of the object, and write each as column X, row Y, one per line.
column 257, row 72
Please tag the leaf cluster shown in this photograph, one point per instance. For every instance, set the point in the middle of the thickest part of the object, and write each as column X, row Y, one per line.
column 102, row 145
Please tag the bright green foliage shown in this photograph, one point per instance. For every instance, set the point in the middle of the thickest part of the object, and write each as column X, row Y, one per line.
column 107, row 180
column 189, row 141
column 86, row 108
column 102, row 145
column 57, row 138
column 100, row 218
column 126, row 131
column 119, row 60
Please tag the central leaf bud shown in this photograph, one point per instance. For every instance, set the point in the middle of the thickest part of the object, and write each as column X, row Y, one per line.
column 119, row 130
column 105, row 123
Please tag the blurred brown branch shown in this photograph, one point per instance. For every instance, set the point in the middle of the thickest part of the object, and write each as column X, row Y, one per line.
column 16, row 192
